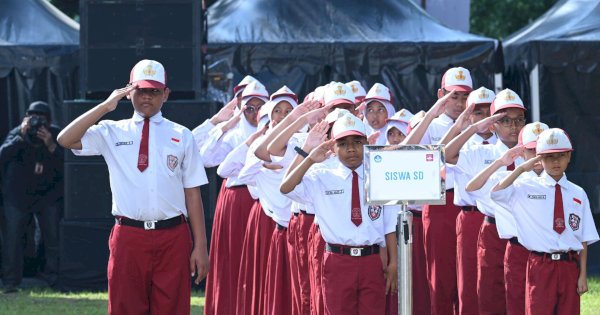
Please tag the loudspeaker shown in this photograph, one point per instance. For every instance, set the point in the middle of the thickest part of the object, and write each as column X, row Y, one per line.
column 84, row 254
column 115, row 34
column 87, row 191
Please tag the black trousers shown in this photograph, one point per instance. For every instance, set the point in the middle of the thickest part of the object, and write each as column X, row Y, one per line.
column 13, row 228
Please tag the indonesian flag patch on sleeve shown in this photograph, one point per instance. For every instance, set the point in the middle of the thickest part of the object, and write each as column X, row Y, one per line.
column 175, row 140
column 577, row 200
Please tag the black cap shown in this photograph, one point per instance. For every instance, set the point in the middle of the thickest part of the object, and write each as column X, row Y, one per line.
column 39, row 107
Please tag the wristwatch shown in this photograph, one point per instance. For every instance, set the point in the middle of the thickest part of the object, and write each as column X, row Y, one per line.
column 301, row 152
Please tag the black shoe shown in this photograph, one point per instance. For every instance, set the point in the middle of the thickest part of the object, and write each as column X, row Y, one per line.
column 10, row 289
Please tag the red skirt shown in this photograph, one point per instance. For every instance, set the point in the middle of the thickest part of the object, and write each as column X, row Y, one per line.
column 231, row 217
column 277, row 293
column 292, row 249
column 253, row 266
column 316, row 250
column 305, row 222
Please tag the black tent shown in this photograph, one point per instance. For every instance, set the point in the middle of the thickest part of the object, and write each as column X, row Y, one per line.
column 553, row 64
column 303, row 44
column 38, row 58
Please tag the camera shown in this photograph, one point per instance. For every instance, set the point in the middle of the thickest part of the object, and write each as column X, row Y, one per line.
column 35, row 123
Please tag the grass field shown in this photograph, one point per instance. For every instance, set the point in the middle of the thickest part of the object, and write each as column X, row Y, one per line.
column 47, row 302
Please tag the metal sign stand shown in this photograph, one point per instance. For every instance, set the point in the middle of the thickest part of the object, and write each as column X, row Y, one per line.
column 404, row 233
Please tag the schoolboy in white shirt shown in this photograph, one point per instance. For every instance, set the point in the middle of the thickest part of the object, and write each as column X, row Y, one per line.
column 554, row 221
column 354, row 278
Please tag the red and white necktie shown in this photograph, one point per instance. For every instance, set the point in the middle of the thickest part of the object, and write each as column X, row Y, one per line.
column 511, row 167
column 485, row 142
column 142, row 163
column 559, row 213
column 356, row 216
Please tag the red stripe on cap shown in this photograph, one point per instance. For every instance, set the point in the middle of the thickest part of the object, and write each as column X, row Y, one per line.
column 577, row 200
column 175, row 139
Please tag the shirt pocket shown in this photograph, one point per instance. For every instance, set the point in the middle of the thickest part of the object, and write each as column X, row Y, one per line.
column 171, row 160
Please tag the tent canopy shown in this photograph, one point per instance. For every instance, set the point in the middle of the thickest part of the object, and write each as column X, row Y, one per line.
column 330, row 21
column 33, row 22
column 561, row 48
column 39, row 48
column 304, row 44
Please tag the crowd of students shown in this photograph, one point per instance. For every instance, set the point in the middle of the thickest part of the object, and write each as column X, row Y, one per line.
column 292, row 233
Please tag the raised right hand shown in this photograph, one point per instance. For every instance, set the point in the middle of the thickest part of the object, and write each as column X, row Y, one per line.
column 225, row 113
column 113, row 100
column 440, row 105
column 530, row 164
column 511, row 155
column 322, row 152
column 316, row 135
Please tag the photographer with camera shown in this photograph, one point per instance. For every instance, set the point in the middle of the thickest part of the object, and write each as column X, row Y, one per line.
column 31, row 168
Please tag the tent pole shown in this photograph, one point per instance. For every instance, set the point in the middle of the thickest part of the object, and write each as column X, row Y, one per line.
column 498, row 82
column 534, row 86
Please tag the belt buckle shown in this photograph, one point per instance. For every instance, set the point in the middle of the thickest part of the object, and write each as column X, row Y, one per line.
column 150, row 225
column 555, row 256
column 355, row 251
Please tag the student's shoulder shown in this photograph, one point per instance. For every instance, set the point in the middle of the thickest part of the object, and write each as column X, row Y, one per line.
column 177, row 127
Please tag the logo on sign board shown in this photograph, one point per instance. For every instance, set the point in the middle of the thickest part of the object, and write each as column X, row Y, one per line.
column 429, row 157
column 378, row 158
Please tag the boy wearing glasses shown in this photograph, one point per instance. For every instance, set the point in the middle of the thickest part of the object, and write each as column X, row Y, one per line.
column 508, row 117
column 155, row 175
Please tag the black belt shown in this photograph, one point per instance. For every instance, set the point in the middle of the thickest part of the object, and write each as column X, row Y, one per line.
column 306, row 213
column 490, row 220
column 280, row 227
column 469, row 208
column 416, row 214
column 571, row 255
column 357, row 251
column 515, row 241
column 151, row 225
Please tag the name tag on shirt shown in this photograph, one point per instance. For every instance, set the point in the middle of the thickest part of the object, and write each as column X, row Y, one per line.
column 123, row 143
column 334, row 192
column 536, row 197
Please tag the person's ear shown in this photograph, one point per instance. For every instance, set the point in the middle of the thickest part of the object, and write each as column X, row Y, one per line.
column 166, row 94
column 440, row 93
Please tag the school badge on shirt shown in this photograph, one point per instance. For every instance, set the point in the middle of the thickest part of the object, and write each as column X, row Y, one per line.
column 574, row 221
column 172, row 162
column 375, row 212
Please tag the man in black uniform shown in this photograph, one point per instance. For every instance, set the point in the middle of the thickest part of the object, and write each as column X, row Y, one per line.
column 31, row 168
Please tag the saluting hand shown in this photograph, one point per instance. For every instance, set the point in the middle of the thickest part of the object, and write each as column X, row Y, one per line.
column 113, row 99
column 531, row 163
column 440, row 105
column 486, row 123
column 316, row 115
column 372, row 139
column 322, row 152
column 463, row 119
column 305, row 107
column 256, row 134
column 225, row 113
column 233, row 121
column 199, row 264
column 511, row 155
column 316, row 135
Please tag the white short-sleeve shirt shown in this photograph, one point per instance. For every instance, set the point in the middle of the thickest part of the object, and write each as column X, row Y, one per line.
column 174, row 164
column 531, row 201
column 470, row 162
column 329, row 189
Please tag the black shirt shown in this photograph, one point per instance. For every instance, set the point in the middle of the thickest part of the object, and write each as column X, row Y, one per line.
column 21, row 186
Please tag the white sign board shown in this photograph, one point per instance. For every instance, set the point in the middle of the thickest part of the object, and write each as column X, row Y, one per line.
column 404, row 174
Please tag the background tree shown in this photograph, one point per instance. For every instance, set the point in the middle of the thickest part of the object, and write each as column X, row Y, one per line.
column 500, row 18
